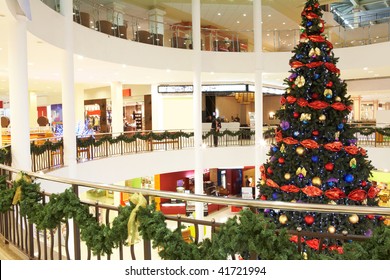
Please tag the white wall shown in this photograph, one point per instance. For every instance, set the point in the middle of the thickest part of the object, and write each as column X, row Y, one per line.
column 383, row 118
column 177, row 112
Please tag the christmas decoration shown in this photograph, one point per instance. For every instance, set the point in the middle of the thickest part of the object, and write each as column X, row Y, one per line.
column 353, row 219
column 309, row 220
column 319, row 145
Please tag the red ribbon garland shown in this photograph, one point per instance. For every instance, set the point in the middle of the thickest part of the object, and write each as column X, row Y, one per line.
column 312, row 191
column 335, row 194
column 357, row 195
column 330, row 66
column 290, row 188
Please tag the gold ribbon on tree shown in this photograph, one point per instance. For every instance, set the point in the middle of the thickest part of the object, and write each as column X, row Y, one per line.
column 132, row 225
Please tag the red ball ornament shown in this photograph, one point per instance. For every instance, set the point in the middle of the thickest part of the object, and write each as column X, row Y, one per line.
column 364, row 183
column 296, row 115
column 370, row 217
column 281, row 160
column 293, row 86
column 315, row 95
column 315, row 132
column 329, row 166
column 329, row 84
column 263, row 197
column 309, row 220
column 269, row 170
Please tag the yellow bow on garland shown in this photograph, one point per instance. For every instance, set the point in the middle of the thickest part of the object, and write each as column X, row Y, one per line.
column 20, row 177
column 17, row 195
column 132, row 225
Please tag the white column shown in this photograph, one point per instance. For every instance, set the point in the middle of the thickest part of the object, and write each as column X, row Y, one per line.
column 197, row 102
column 258, row 51
column 157, row 109
column 33, row 110
column 68, row 91
column 116, row 108
column 79, row 106
column 375, row 108
column 357, row 102
column 18, row 92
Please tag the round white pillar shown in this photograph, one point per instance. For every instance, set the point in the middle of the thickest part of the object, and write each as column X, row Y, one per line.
column 116, row 108
column 197, row 109
column 18, row 92
column 33, row 110
column 258, row 49
column 68, row 91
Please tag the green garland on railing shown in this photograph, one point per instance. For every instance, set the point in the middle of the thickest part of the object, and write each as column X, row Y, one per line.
column 368, row 130
column 47, row 146
column 248, row 233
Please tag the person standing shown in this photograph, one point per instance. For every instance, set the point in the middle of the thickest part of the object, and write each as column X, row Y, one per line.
column 215, row 127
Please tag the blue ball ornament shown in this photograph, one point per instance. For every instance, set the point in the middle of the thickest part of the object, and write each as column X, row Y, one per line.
column 349, row 178
column 299, row 56
column 340, row 126
column 314, row 158
column 275, row 196
column 330, row 184
column 305, row 122
column 274, row 149
column 309, row 23
column 296, row 133
column 329, row 96
column 316, row 76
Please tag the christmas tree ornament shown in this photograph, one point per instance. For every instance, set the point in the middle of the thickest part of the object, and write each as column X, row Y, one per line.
column 314, row 158
column 285, row 125
column 348, row 178
column 275, row 196
column 340, row 126
column 300, row 150
column 315, row 95
column 315, row 133
column 274, row 149
column 296, row 115
column 262, row 182
column 263, row 197
column 287, row 176
column 337, row 136
column 314, row 52
column 309, row 220
column 282, row 149
column 337, row 99
column 331, row 229
column 296, row 133
column 332, row 202
column 300, row 81
column 322, row 118
column 316, row 76
column 305, row 117
column 309, row 24
column 281, row 160
column 329, row 166
column 283, row 219
column 329, row 84
column 301, row 171
column 269, row 170
column 316, row 181
column 288, row 91
column 353, row 219
column 328, row 93
column 364, row 183
column 352, row 163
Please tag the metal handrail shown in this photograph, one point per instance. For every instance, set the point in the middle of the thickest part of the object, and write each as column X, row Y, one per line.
column 325, row 208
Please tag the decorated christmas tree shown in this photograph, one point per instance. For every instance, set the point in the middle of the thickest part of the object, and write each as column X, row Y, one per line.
column 315, row 158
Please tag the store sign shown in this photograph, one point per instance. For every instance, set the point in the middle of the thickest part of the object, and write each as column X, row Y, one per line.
column 175, row 89
column 217, row 88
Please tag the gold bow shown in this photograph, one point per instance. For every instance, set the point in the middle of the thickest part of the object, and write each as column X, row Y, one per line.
column 300, row 81
column 315, row 51
column 301, row 170
column 132, row 225
column 17, row 195
column 305, row 117
column 283, row 149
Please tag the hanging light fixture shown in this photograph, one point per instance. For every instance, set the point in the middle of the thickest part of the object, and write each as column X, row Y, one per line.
column 244, row 97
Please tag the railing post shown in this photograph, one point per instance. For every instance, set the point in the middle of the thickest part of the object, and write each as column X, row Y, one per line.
column 76, row 231
column 30, row 241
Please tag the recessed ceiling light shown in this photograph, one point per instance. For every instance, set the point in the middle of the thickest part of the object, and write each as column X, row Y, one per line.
column 268, row 34
column 168, row 70
column 244, row 15
column 238, row 21
column 365, row 68
column 269, row 15
column 284, row 23
column 124, row 65
column 219, row 14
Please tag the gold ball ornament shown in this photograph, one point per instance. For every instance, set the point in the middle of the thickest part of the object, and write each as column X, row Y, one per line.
column 283, row 219
column 337, row 99
column 300, row 150
column 262, row 182
column 332, row 202
column 316, row 181
column 353, row 219
column 322, row 118
column 331, row 229
column 287, row 176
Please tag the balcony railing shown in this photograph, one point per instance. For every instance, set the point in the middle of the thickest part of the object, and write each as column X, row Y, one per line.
column 115, row 23
column 65, row 240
